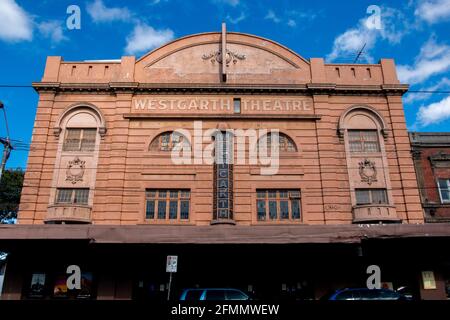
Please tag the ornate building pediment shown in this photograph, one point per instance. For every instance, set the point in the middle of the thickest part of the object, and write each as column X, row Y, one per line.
column 248, row 59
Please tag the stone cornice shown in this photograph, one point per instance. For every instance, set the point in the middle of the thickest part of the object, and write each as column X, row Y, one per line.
column 168, row 88
column 429, row 139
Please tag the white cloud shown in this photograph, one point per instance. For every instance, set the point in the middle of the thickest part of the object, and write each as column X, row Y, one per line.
column 238, row 19
column 444, row 83
column 303, row 15
column 232, row 3
column 434, row 113
column 100, row 13
column 53, row 30
column 394, row 26
column 15, row 23
column 290, row 17
column 433, row 59
column 351, row 41
column 291, row 23
column 272, row 16
column 144, row 38
column 433, row 11
column 155, row 2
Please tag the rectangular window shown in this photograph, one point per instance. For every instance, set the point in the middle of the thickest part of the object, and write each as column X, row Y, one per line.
column 273, row 210
column 150, row 209
column 184, row 210
column 162, row 204
column 81, row 196
column 171, row 205
column 79, row 139
column 72, row 196
column 444, row 189
column 237, row 105
column 371, row 196
column 295, row 203
column 173, row 209
column 261, row 204
column 278, row 205
column 363, row 141
column 284, row 209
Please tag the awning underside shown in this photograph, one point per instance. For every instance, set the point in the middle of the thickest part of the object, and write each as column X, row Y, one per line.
column 222, row 234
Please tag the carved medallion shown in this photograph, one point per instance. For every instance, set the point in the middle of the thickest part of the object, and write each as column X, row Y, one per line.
column 229, row 57
column 368, row 171
column 75, row 170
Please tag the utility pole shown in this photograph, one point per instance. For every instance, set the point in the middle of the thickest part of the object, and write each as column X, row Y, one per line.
column 7, row 147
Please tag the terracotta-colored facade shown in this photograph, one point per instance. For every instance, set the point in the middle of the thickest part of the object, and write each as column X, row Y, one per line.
column 102, row 158
column 431, row 151
column 131, row 102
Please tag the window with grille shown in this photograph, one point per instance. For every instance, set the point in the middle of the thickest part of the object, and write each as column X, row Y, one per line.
column 167, row 204
column 371, row 196
column 72, row 196
column 77, row 139
column 444, row 189
column 278, row 205
column 168, row 140
column 363, row 141
column 284, row 144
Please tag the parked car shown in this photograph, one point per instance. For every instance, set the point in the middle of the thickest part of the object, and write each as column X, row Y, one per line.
column 213, row 294
column 364, row 294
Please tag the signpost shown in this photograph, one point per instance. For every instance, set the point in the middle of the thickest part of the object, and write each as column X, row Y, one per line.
column 171, row 267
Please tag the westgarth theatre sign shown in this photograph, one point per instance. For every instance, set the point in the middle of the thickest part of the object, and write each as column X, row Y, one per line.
column 207, row 104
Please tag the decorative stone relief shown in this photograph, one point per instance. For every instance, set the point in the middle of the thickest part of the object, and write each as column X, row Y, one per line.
column 368, row 171
column 229, row 57
column 75, row 170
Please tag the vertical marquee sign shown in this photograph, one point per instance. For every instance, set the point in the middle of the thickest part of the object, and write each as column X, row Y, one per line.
column 223, row 178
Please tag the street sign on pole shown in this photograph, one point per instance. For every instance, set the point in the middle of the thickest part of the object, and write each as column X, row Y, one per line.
column 171, row 267
column 172, row 262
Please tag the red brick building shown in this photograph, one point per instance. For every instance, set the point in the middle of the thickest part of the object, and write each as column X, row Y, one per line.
column 431, row 151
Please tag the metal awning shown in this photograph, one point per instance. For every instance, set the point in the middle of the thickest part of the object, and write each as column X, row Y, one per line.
column 221, row 234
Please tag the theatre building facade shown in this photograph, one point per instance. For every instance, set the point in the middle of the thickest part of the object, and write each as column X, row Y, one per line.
column 259, row 169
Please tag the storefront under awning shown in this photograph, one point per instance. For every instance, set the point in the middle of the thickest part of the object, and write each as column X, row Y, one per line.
column 286, row 262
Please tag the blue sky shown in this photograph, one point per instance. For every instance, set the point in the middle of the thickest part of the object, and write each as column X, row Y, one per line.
column 415, row 33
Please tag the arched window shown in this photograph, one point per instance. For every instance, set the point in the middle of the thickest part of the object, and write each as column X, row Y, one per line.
column 363, row 131
column 362, row 126
column 285, row 143
column 79, row 129
column 166, row 141
column 81, row 125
